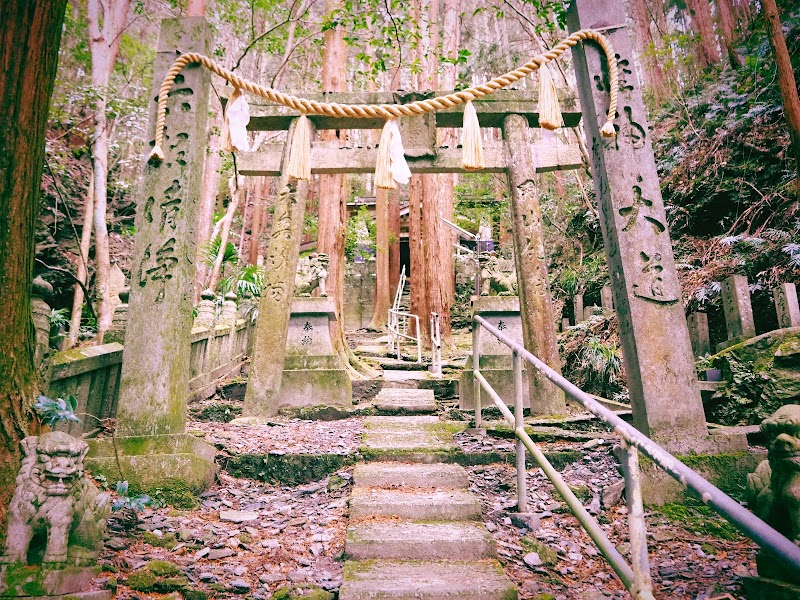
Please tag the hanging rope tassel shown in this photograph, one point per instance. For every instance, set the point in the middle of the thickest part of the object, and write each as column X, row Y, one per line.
column 383, row 165
column 471, row 142
column 299, row 166
column 549, row 111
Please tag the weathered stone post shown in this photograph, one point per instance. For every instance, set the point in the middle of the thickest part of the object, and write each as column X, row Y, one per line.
column 607, row 298
column 536, row 309
column 698, row 333
column 227, row 316
column 577, row 308
column 275, row 306
column 206, row 310
column 564, row 324
column 154, row 388
column 737, row 308
column 785, row 296
column 40, row 309
column 647, row 296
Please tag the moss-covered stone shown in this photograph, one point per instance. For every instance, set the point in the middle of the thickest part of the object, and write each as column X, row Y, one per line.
column 696, row 517
column 759, row 376
column 284, row 593
column 287, row 469
column 219, row 413
column 547, row 554
column 167, row 540
column 142, row 581
column 163, row 568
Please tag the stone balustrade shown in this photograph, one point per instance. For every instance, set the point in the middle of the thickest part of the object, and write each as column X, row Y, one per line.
column 92, row 374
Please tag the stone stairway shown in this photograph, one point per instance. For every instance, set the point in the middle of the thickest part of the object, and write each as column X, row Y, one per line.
column 415, row 530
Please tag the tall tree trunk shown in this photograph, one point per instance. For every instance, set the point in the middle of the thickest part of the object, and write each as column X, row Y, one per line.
column 237, row 191
column 646, row 47
column 727, row 27
column 700, row 11
column 394, row 241
column 83, row 262
column 786, row 79
column 208, row 200
column 332, row 222
column 383, row 292
column 106, row 22
column 258, row 223
column 30, row 34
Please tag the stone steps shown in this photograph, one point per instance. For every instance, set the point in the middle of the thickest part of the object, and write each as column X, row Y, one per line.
column 426, row 580
column 405, row 400
column 408, row 540
column 413, row 503
column 415, row 529
column 389, row 475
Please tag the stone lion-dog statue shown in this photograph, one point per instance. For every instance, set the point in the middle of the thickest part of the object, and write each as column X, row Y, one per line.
column 774, row 489
column 54, row 507
column 312, row 273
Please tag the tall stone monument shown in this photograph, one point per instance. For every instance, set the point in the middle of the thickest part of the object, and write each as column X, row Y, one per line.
column 647, row 296
column 152, row 444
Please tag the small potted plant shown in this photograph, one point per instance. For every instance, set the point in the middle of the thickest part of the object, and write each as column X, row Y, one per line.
column 706, row 370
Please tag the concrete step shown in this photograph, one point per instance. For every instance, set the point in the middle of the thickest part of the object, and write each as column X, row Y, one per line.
column 406, row 400
column 426, row 580
column 417, row 505
column 419, row 541
column 397, row 375
column 419, row 423
column 439, row 475
column 403, row 440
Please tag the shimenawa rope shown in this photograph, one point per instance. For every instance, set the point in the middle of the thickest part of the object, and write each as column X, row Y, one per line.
column 389, row 111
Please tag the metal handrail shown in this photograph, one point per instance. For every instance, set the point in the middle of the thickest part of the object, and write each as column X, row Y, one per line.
column 636, row 577
column 436, row 346
column 398, row 322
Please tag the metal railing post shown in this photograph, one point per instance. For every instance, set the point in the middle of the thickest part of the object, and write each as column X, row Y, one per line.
column 640, row 562
column 522, row 487
column 476, row 363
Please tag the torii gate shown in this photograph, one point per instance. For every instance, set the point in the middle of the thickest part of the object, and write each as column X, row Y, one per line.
column 513, row 111
column 655, row 338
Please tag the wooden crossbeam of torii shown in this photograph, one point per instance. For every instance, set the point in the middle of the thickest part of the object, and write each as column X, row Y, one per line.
column 419, row 135
column 492, row 110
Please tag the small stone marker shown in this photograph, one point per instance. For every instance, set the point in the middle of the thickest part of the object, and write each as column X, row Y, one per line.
column 786, row 305
column 577, row 308
column 698, row 332
column 738, row 310
column 607, row 298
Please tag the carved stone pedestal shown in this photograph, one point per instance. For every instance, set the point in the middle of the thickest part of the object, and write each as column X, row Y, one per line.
column 503, row 313
column 37, row 581
column 313, row 373
column 150, row 461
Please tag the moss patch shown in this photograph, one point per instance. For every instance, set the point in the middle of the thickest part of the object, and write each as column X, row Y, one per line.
column 287, row 469
column 546, row 553
column 696, row 517
column 163, row 568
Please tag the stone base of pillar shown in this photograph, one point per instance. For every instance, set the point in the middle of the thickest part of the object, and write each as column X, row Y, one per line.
column 503, row 313
column 722, row 459
column 37, row 581
column 498, row 372
column 153, row 461
column 313, row 373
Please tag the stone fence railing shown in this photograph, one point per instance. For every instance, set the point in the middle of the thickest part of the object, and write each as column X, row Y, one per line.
column 92, row 374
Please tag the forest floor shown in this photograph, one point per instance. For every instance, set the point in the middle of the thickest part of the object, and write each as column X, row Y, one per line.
column 249, row 538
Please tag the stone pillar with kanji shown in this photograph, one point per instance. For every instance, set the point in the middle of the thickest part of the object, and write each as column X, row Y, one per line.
column 152, row 446
column 659, row 362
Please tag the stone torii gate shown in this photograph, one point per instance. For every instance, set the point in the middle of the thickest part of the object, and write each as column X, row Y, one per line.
column 152, row 444
column 512, row 111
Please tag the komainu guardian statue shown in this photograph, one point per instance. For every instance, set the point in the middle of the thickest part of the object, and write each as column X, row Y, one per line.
column 775, row 486
column 312, row 273
column 56, row 513
column 497, row 275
